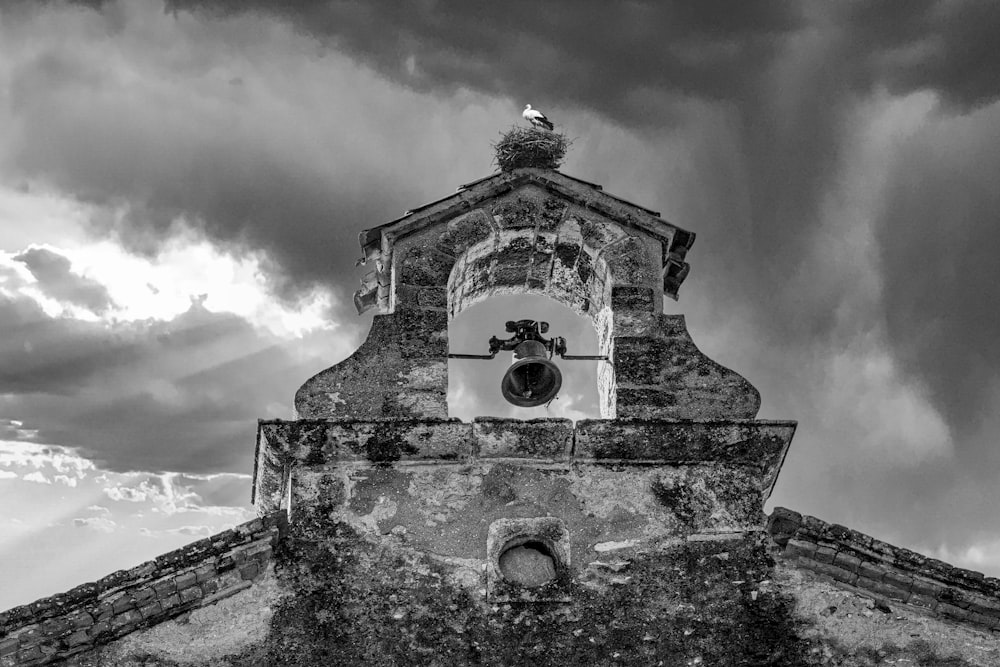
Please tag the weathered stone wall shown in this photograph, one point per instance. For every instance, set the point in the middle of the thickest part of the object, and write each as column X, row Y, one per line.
column 533, row 232
column 290, row 450
column 887, row 572
column 851, row 627
column 200, row 574
column 362, row 598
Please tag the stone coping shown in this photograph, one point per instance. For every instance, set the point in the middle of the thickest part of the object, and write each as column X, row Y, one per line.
column 881, row 570
column 196, row 575
column 756, row 443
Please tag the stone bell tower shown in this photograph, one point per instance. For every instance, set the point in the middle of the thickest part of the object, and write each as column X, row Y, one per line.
column 389, row 534
column 419, row 539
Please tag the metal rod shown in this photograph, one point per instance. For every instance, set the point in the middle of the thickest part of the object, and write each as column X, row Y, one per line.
column 471, row 356
column 586, row 357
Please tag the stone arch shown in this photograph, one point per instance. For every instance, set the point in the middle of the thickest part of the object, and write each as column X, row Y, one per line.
column 538, row 244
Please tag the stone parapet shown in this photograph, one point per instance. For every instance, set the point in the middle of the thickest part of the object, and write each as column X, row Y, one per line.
column 884, row 571
column 757, row 445
column 199, row 574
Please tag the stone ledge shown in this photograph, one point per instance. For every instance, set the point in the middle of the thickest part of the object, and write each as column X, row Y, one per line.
column 283, row 445
column 193, row 576
column 878, row 569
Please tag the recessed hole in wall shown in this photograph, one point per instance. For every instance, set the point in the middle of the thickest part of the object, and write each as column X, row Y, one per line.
column 527, row 562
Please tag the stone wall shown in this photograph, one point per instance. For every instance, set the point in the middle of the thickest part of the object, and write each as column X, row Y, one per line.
column 755, row 447
column 199, row 574
column 886, row 572
column 534, row 231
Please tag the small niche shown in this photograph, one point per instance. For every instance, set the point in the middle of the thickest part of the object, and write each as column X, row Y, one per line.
column 528, row 562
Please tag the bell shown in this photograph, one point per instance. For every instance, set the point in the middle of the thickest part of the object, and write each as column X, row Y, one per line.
column 532, row 379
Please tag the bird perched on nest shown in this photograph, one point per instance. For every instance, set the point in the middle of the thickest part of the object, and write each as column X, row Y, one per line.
column 536, row 118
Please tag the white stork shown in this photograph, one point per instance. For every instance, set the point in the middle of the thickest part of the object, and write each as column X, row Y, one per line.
column 536, row 118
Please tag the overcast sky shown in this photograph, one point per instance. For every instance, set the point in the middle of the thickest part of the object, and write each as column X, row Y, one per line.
column 182, row 185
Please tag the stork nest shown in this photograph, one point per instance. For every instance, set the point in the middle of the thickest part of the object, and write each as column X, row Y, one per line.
column 530, row 147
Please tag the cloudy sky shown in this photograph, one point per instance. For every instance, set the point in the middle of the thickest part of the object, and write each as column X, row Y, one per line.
column 182, row 184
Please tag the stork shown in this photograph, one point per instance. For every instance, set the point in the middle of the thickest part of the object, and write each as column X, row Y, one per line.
column 536, row 118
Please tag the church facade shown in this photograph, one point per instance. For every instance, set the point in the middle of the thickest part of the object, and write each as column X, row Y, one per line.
column 390, row 534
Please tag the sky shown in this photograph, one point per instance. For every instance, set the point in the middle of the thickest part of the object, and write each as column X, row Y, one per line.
column 182, row 184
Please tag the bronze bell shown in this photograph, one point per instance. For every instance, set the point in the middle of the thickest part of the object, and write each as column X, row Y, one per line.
column 532, row 379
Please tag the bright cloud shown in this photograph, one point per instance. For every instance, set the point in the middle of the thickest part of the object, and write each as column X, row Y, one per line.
column 100, row 524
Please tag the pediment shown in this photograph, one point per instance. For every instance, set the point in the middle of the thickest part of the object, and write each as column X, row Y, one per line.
column 485, row 194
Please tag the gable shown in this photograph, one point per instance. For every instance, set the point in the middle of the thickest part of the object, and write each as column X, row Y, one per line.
column 533, row 202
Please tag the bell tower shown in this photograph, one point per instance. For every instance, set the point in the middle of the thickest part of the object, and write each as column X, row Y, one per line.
column 534, row 539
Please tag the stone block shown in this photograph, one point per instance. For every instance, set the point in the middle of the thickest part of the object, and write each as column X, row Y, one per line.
column 981, row 619
column 872, row 570
column 121, row 621
column 170, row 602
column 204, row 573
column 465, row 231
column 836, row 573
column 596, row 232
column 800, row 548
column 646, row 403
column 185, row 580
column 77, row 638
column 55, row 627
column 927, row 587
column 534, row 438
column 639, row 360
column 99, row 628
column 425, row 267
column 983, row 605
column 898, row 579
column 954, row 596
column 847, row 561
column 630, row 263
column 825, row 554
column 150, row 609
column 883, row 589
column 141, row 595
column 122, row 604
column 249, row 571
column 632, row 297
column 190, row 594
column 951, row 611
column 165, row 588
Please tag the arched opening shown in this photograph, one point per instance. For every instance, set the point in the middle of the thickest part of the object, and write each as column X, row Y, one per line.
column 474, row 385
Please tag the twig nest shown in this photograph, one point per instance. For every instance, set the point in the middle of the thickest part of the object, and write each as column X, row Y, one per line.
column 530, row 147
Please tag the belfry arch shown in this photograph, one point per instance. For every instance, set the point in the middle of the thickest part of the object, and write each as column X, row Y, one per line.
column 527, row 231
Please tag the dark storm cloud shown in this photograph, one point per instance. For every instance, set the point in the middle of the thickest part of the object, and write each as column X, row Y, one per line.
column 939, row 237
column 57, row 279
column 54, row 354
column 602, row 55
column 950, row 47
column 592, row 54
column 155, row 395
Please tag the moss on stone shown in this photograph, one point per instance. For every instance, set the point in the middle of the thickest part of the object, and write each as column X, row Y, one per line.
column 358, row 601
